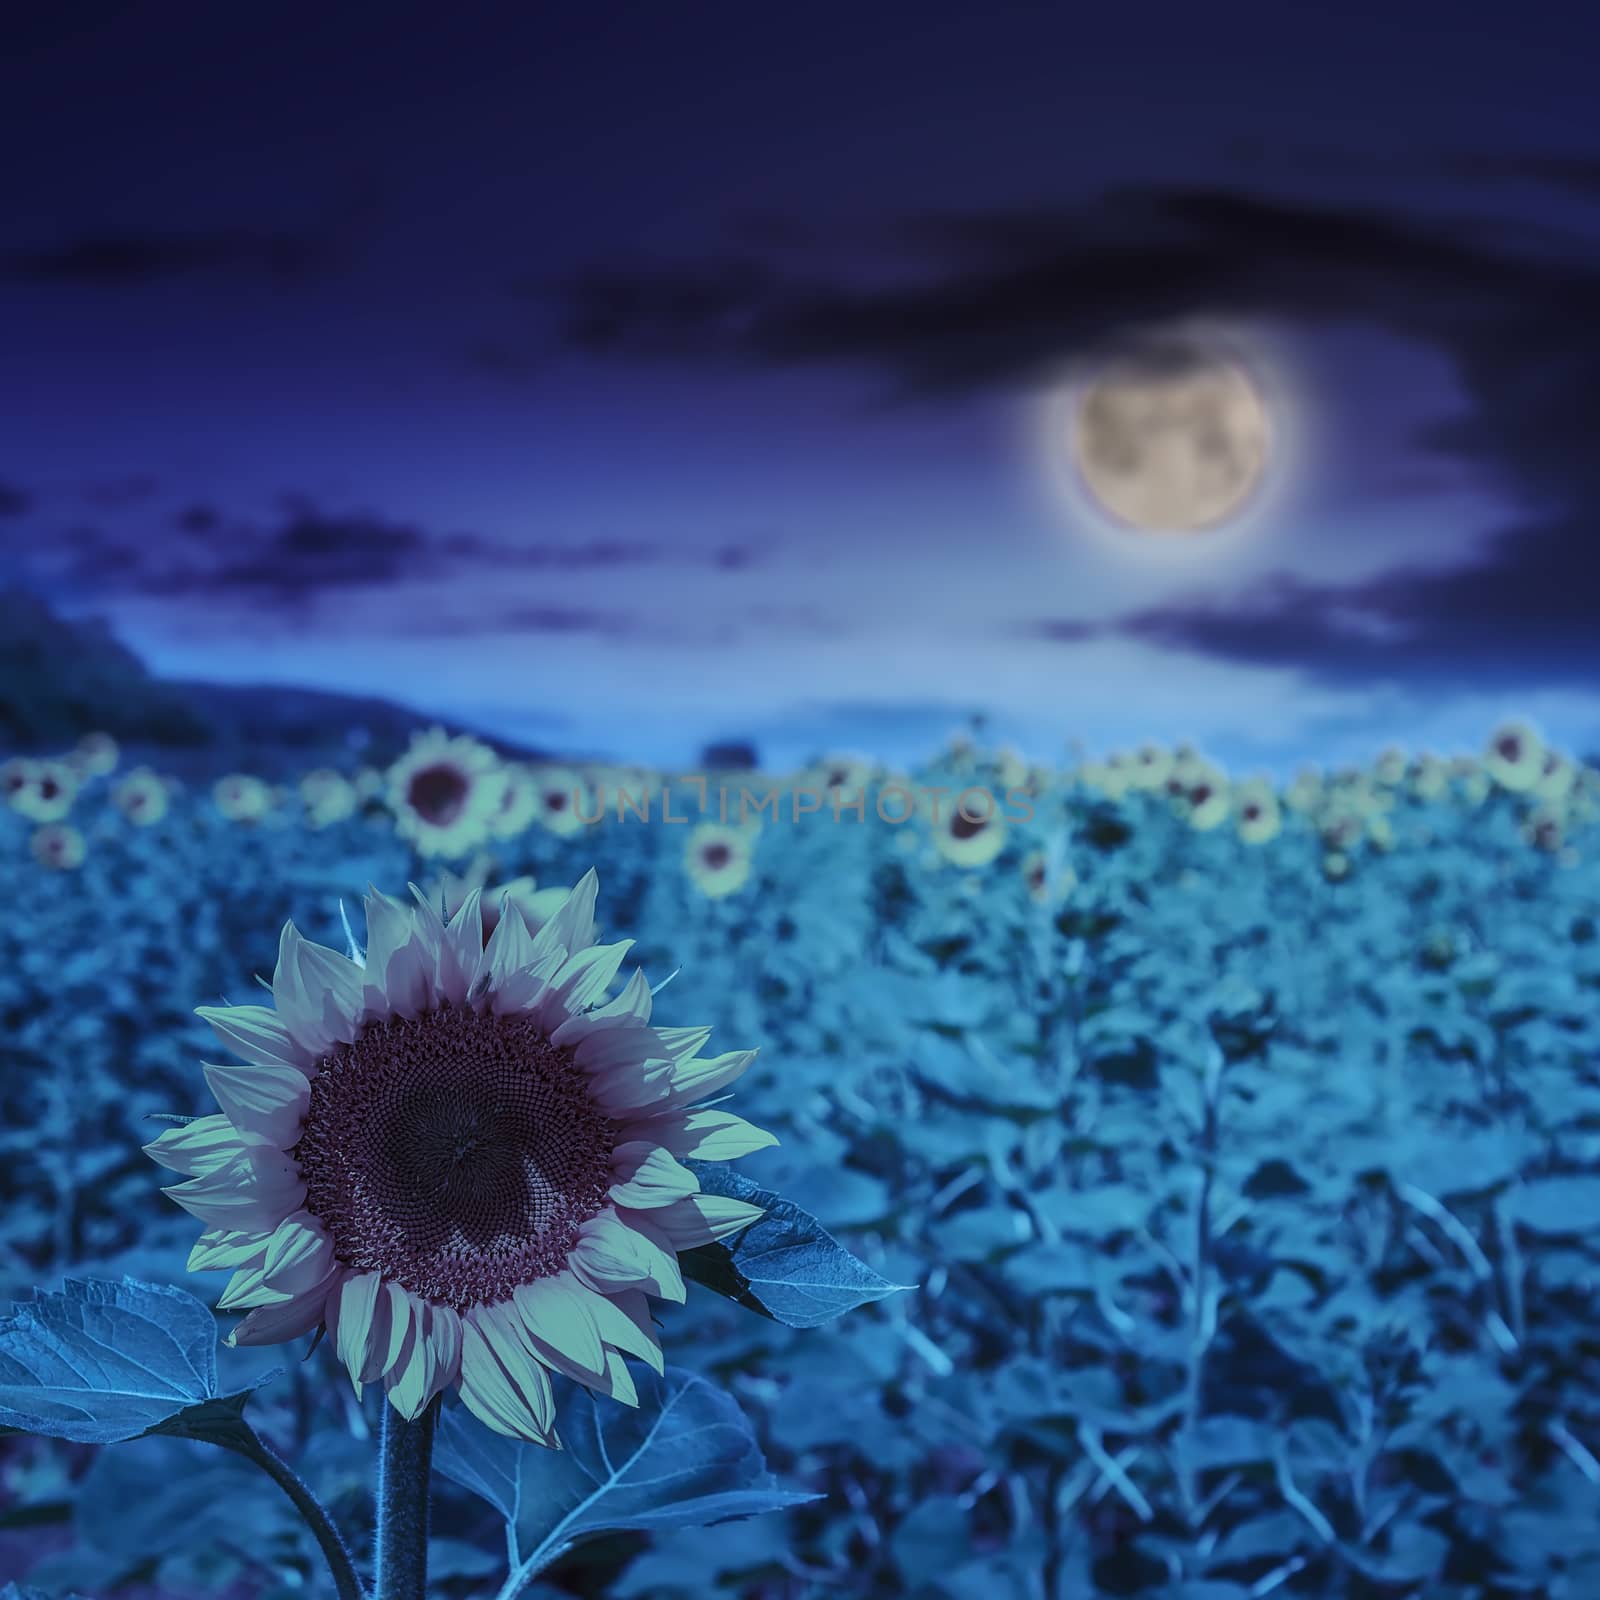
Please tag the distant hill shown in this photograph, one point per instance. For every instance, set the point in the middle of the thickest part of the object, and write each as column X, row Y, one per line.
column 60, row 679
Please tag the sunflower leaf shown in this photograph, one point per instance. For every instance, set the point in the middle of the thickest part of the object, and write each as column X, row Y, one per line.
column 686, row 1457
column 101, row 1361
column 786, row 1266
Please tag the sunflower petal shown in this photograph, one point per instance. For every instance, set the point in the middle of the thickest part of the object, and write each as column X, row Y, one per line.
column 612, row 1254
column 199, row 1146
column 705, row 1135
column 646, row 1176
column 256, row 1034
column 267, row 1101
column 698, row 1219
column 501, row 1382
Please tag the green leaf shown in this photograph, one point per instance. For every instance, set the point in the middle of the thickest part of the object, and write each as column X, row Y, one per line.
column 786, row 1266
column 684, row 1458
column 102, row 1361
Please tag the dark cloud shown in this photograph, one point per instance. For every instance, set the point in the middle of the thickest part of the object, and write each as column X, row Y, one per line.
column 311, row 553
column 996, row 302
column 136, row 259
column 14, row 500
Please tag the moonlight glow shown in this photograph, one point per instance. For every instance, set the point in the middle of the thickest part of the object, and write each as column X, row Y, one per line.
column 1171, row 438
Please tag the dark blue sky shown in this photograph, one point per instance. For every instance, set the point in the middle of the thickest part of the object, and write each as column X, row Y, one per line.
column 632, row 375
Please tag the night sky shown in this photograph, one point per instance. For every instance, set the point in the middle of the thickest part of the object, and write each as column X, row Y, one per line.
column 623, row 377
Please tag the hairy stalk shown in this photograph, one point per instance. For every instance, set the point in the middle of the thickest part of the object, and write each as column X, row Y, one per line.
column 405, row 1458
column 250, row 1445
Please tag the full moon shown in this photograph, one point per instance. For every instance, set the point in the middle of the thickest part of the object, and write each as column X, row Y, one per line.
column 1172, row 438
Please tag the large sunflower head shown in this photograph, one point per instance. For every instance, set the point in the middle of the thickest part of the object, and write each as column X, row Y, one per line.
column 443, row 791
column 459, row 1158
column 718, row 858
column 141, row 797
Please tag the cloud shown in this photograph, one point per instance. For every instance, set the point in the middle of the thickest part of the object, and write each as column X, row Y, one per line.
column 15, row 501
column 118, row 260
column 995, row 302
column 285, row 567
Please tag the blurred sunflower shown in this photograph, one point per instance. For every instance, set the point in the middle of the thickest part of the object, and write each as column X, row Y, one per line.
column 57, row 845
column 1305, row 791
column 241, row 797
column 1335, row 866
column 141, row 797
column 328, row 796
column 1341, row 829
column 1544, row 828
column 562, row 800
column 1557, row 779
column 968, row 832
column 537, row 905
column 1390, row 767
column 459, row 1160
column 1259, row 816
column 47, row 791
column 14, row 775
column 1206, row 801
column 1380, row 832
column 718, row 857
column 519, row 802
column 1430, row 777
column 1044, row 886
column 1152, row 766
column 1515, row 757
column 443, row 791
column 96, row 755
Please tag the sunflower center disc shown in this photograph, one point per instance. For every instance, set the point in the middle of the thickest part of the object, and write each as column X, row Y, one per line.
column 454, row 1153
column 438, row 794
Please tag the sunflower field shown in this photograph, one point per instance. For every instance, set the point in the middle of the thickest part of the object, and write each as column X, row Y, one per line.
column 1220, row 1159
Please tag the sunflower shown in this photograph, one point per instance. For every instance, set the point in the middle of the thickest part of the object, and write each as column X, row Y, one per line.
column 1335, row 866
column 1259, row 816
column 443, row 791
column 47, row 792
column 537, row 905
column 1544, row 828
column 96, row 755
column 1515, row 757
column 718, row 858
column 141, row 797
column 1305, row 791
column 563, row 800
column 1206, row 800
column 242, row 798
column 969, row 830
column 329, row 797
column 57, row 845
column 1152, row 766
column 1430, row 777
column 519, row 803
column 1390, row 767
column 14, row 775
column 459, row 1160
column 1558, row 777
column 1045, row 888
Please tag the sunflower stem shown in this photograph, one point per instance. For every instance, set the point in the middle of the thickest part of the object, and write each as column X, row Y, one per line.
column 405, row 1457
column 254, row 1448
